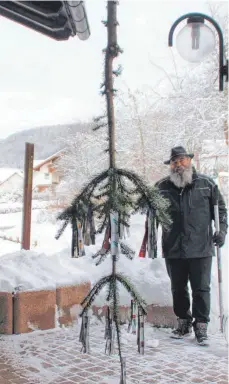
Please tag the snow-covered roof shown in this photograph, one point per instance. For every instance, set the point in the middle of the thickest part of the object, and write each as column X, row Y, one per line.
column 5, row 173
column 38, row 163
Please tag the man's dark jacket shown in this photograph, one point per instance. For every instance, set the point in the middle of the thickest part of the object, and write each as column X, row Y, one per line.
column 192, row 211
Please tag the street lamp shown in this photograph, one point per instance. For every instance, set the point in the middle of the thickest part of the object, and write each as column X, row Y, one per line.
column 196, row 40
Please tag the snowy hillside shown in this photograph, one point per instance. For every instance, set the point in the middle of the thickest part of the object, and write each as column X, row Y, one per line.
column 46, row 140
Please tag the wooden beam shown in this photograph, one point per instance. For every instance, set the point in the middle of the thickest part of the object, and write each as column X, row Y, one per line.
column 27, row 204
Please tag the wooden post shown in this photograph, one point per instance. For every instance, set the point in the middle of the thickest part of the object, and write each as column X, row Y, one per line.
column 27, row 204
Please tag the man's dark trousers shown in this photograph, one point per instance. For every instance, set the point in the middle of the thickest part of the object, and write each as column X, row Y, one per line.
column 198, row 272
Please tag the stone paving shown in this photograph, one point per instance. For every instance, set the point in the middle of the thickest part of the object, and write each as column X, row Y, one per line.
column 54, row 357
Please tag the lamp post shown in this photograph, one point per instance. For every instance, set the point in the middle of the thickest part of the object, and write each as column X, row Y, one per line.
column 196, row 40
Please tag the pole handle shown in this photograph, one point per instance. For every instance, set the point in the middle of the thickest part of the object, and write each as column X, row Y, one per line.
column 215, row 195
column 216, row 208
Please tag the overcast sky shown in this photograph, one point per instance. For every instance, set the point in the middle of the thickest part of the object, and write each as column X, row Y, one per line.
column 46, row 82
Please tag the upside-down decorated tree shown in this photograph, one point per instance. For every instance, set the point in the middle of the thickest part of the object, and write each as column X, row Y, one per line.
column 108, row 200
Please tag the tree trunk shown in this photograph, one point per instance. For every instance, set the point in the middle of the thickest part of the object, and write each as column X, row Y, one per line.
column 111, row 53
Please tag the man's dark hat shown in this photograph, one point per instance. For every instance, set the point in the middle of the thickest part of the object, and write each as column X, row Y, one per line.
column 178, row 151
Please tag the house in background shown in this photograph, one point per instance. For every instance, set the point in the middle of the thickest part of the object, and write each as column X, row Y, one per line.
column 11, row 180
column 46, row 174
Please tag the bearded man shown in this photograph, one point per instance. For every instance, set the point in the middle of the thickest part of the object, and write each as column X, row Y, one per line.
column 188, row 245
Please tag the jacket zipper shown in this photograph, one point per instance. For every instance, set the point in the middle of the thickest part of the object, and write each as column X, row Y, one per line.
column 181, row 191
column 189, row 199
column 181, row 209
column 182, row 218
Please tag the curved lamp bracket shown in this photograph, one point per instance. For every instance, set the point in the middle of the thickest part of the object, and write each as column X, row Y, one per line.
column 223, row 69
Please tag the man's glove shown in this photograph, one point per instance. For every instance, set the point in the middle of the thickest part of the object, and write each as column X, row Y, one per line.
column 219, row 239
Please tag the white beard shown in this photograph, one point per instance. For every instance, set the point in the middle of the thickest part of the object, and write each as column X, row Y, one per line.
column 183, row 178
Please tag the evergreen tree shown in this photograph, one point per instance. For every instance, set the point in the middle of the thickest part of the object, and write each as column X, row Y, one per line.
column 112, row 196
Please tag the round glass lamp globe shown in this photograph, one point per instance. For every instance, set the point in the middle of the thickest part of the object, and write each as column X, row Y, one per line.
column 195, row 42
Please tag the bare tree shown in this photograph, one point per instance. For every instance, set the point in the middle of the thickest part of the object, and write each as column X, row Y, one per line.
column 83, row 156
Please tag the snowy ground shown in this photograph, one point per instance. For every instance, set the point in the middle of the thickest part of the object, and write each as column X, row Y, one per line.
column 54, row 357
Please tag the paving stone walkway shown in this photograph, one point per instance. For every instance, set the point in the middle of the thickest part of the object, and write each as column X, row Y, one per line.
column 54, row 357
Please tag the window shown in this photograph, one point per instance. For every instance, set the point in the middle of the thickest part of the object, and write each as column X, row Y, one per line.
column 46, row 175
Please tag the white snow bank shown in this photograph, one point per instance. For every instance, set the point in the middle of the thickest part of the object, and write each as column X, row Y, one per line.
column 52, row 264
column 32, row 270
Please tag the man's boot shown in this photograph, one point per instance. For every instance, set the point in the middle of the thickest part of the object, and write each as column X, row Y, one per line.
column 200, row 330
column 184, row 329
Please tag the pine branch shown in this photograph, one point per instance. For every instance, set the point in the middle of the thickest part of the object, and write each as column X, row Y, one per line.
column 98, row 118
column 150, row 198
column 118, row 71
column 121, row 200
column 102, row 258
column 103, row 225
column 99, row 126
column 127, row 251
column 61, row 230
column 130, row 288
column 109, row 291
column 90, row 187
column 94, row 292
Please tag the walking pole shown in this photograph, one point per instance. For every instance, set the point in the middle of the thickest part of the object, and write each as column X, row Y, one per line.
column 218, row 252
column 140, row 341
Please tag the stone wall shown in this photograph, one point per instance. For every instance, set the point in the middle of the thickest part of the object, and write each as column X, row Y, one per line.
column 25, row 311
column 46, row 309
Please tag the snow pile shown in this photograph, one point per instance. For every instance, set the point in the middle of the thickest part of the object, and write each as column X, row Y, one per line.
column 34, row 270
column 52, row 265
column 31, row 270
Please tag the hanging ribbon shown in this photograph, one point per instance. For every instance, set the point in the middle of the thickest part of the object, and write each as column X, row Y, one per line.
column 114, row 220
column 140, row 339
column 77, row 239
column 109, row 333
column 142, row 252
column 89, row 227
column 123, row 371
column 123, row 229
column 80, row 244
column 149, row 242
column 106, row 241
column 133, row 314
column 74, row 237
column 84, row 333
